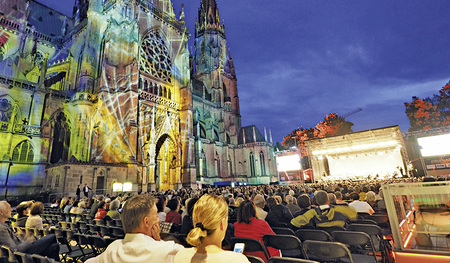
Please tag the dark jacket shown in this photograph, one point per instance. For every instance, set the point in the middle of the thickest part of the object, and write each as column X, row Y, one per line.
column 278, row 215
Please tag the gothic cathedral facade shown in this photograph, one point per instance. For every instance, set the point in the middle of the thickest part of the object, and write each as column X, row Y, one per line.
column 113, row 95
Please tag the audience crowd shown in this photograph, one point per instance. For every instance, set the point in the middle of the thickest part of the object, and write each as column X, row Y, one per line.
column 205, row 216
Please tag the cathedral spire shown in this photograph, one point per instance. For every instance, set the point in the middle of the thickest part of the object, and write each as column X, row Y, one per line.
column 208, row 18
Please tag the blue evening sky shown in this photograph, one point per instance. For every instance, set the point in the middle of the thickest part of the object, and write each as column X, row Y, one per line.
column 298, row 60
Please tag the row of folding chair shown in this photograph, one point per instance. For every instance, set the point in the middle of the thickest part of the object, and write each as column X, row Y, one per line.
column 254, row 259
column 8, row 256
column 380, row 245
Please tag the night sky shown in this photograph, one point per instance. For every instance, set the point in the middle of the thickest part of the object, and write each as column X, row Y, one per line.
column 298, row 60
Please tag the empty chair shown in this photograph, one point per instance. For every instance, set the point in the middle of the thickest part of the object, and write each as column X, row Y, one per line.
column 99, row 244
column 360, row 243
column 104, row 231
column 251, row 245
column 283, row 231
column 326, row 251
column 118, row 222
column 63, row 224
column 374, row 231
column 382, row 221
column 289, row 260
column 313, row 234
column 117, row 232
column 289, row 245
column 364, row 221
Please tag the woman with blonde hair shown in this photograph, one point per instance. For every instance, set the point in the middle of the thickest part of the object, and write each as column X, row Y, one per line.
column 210, row 219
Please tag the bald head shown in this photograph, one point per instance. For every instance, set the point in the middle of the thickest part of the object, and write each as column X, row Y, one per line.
column 5, row 211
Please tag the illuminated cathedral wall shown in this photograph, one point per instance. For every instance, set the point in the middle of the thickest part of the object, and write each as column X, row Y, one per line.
column 107, row 96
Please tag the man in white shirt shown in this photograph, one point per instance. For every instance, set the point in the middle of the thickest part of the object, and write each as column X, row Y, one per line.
column 259, row 205
column 142, row 242
column 360, row 206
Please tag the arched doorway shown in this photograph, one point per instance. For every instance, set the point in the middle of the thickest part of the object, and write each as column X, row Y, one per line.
column 166, row 163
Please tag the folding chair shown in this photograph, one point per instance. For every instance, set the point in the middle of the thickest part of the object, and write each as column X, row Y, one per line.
column 99, row 244
column 283, row 231
column 84, row 244
column 289, row 260
column 99, row 222
column 360, row 243
column 289, row 245
column 116, row 232
column 23, row 258
column 326, row 251
column 364, row 221
column 374, row 231
column 251, row 245
column 118, row 222
column 8, row 254
column 313, row 234
column 41, row 259
column 254, row 259
column 104, row 231
column 331, row 229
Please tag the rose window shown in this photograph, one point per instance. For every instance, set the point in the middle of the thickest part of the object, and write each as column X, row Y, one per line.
column 155, row 58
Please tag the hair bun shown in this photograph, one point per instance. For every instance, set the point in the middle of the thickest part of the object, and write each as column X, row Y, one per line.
column 200, row 225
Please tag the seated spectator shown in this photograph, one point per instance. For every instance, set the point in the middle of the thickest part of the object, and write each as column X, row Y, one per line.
column 35, row 219
column 325, row 215
column 332, row 198
column 22, row 214
column 360, row 206
column 381, row 204
column 210, row 217
column 249, row 226
column 187, row 224
column 46, row 246
column 67, row 208
column 259, row 206
column 304, row 203
column 161, row 205
column 278, row 214
column 371, row 199
column 173, row 216
column 339, row 200
column 290, row 204
column 113, row 207
column 101, row 212
column 142, row 242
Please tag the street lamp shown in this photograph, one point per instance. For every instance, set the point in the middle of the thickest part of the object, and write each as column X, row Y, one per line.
column 7, row 178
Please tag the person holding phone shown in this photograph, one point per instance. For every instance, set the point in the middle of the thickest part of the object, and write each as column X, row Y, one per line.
column 210, row 219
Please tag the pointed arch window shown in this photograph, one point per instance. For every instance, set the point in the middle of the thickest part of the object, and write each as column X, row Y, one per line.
column 262, row 163
column 23, row 152
column 252, row 164
column 216, row 136
column 217, row 160
column 61, row 139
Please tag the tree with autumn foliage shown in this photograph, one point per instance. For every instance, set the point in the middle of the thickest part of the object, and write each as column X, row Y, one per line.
column 429, row 113
column 332, row 125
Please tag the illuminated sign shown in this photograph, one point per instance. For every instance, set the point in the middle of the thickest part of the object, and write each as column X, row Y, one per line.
column 117, row 187
column 288, row 163
column 434, row 145
column 127, row 187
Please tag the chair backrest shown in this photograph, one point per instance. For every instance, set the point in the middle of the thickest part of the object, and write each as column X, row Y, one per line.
column 382, row 220
column 41, row 259
column 99, row 222
column 313, row 234
column 254, row 259
column 251, row 245
column 290, row 245
column 283, row 231
column 331, row 229
column 359, row 242
column 289, row 260
column 8, row 253
column 24, row 258
column 370, row 229
column 326, row 251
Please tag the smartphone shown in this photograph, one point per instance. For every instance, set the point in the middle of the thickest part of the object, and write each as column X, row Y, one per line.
column 239, row 248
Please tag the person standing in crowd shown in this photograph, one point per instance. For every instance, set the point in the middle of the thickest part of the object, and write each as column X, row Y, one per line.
column 210, row 218
column 86, row 189
column 142, row 242
column 46, row 246
column 78, row 193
